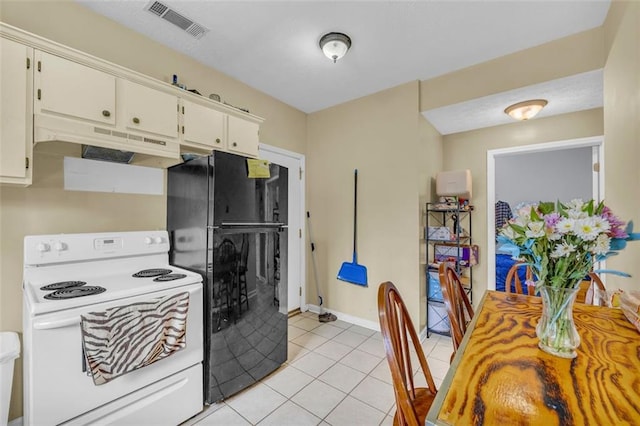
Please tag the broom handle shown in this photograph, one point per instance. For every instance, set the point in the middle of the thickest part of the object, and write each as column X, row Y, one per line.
column 355, row 212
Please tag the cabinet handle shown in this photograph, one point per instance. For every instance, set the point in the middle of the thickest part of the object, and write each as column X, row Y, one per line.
column 217, row 140
column 136, row 120
column 235, row 144
column 106, row 113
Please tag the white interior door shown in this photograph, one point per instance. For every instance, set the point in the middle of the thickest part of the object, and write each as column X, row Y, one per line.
column 296, row 236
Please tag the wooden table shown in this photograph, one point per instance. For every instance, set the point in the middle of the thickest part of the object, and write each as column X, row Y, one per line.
column 500, row 377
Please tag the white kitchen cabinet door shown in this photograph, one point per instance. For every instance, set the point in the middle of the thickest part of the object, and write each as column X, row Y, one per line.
column 148, row 110
column 242, row 136
column 16, row 113
column 202, row 127
column 66, row 88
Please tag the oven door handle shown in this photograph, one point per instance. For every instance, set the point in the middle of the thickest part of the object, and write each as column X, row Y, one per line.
column 48, row 325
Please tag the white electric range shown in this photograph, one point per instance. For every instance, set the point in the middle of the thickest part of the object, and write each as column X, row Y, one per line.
column 67, row 276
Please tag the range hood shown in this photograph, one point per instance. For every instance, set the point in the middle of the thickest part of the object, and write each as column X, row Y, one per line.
column 106, row 154
column 100, row 141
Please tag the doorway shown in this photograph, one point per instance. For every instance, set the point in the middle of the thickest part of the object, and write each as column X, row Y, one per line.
column 596, row 163
column 296, row 271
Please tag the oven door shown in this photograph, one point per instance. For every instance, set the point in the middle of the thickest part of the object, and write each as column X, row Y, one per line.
column 57, row 384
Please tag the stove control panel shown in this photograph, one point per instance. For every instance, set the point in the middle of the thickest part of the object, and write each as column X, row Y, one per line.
column 110, row 243
column 45, row 249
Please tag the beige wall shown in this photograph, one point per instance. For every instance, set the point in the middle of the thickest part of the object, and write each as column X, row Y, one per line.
column 568, row 56
column 468, row 150
column 73, row 25
column 395, row 150
column 45, row 207
column 432, row 157
column 622, row 130
column 380, row 136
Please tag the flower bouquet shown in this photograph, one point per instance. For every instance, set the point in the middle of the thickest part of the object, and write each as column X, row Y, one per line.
column 561, row 243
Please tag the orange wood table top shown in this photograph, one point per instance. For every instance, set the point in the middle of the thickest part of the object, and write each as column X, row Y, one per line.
column 499, row 376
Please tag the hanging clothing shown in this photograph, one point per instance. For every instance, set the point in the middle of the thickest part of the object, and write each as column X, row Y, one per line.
column 503, row 214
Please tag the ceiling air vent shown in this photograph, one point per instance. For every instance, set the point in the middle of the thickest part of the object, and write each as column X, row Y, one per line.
column 170, row 15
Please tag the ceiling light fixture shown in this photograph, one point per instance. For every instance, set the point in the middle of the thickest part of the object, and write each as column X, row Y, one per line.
column 335, row 45
column 525, row 110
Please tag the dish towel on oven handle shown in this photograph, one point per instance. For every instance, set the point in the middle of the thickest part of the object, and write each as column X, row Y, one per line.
column 122, row 339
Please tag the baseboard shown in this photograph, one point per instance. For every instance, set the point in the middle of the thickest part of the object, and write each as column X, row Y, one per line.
column 371, row 325
column 15, row 422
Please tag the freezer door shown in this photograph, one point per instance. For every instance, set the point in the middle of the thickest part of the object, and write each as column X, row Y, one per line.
column 239, row 198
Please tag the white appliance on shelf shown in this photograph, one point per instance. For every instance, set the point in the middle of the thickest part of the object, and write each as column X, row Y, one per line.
column 93, row 273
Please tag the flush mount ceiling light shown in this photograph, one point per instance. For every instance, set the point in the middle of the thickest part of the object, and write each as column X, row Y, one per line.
column 335, row 45
column 525, row 110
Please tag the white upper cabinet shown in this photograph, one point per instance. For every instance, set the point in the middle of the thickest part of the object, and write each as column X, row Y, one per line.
column 16, row 113
column 70, row 96
column 148, row 110
column 243, row 136
column 77, row 103
column 202, row 126
column 66, row 88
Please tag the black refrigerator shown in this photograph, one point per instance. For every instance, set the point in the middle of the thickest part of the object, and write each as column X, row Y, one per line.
column 227, row 220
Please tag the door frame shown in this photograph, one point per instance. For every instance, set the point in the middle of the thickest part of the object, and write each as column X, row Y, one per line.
column 597, row 142
column 270, row 152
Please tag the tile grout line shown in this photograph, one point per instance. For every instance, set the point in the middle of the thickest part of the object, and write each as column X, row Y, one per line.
column 387, row 416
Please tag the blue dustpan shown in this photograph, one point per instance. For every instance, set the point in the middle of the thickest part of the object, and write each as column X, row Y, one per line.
column 351, row 272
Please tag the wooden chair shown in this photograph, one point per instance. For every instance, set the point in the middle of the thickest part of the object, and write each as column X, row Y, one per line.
column 592, row 291
column 459, row 309
column 402, row 347
column 514, row 278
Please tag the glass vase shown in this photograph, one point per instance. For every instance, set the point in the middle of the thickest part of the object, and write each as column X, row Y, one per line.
column 556, row 330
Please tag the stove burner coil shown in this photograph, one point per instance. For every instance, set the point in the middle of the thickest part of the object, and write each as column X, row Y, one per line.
column 70, row 293
column 148, row 273
column 62, row 285
column 169, row 277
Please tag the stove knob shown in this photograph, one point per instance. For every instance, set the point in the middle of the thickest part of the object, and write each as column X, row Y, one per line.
column 60, row 246
column 43, row 247
column 148, row 240
column 158, row 240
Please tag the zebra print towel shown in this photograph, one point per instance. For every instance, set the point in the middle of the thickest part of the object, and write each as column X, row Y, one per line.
column 119, row 340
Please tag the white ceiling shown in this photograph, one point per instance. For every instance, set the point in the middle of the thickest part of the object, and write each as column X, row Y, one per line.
column 272, row 46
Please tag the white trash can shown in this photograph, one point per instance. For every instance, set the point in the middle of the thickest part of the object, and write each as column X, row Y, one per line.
column 9, row 351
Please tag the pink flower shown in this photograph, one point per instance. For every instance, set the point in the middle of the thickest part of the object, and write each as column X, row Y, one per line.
column 617, row 225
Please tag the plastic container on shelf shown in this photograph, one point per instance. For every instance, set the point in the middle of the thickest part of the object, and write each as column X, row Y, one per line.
column 9, row 351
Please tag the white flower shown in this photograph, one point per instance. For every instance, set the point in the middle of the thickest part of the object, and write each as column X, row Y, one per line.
column 575, row 204
column 553, row 236
column 536, row 230
column 602, row 244
column 565, row 225
column 586, row 229
column 508, row 232
column 563, row 250
column 601, row 224
column 522, row 220
column 577, row 214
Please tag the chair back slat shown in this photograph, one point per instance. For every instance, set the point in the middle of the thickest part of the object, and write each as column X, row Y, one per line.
column 400, row 339
column 513, row 277
column 459, row 309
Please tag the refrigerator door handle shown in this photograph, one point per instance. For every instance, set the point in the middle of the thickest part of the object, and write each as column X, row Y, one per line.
column 252, row 224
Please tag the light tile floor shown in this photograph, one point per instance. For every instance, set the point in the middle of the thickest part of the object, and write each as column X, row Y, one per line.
column 336, row 374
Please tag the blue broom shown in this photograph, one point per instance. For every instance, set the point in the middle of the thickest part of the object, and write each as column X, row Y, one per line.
column 351, row 272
